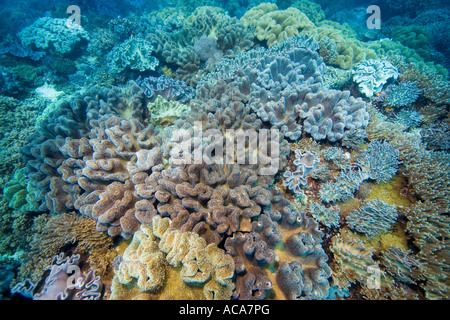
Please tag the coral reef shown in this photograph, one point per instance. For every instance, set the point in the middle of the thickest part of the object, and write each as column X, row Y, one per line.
column 181, row 184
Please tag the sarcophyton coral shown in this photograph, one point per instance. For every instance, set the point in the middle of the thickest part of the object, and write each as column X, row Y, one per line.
column 104, row 167
column 156, row 246
column 373, row 218
column 211, row 200
column 371, row 75
column 134, row 54
column 399, row 95
column 54, row 35
column 329, row 112
column 305, row 164
column 163, row 112
column 273, row 25
column 284, row 248
column 284, row 85
column 63, row 282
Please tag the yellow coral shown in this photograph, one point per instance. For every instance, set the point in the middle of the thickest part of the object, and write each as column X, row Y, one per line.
column 275, row 25
column 143, row 261
column 163, row 112
column 163, row 262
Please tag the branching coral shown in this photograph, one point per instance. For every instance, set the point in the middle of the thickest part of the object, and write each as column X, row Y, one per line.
column 399, row 95
column 373, row 218
column 329, row 216
column 344, row 187
column 379, row 160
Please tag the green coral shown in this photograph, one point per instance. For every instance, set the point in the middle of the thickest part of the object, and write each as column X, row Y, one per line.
column 163, row 112
column 339, row 45
column 312, row 10
column 273, row 25
column 15, row 191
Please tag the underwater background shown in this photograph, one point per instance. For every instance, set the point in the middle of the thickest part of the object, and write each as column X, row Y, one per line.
column 95, row 205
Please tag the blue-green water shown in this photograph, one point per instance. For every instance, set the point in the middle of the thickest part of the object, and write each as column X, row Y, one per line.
column 242, row 150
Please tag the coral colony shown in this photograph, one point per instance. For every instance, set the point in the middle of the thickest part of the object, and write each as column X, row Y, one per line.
column 243, row 150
